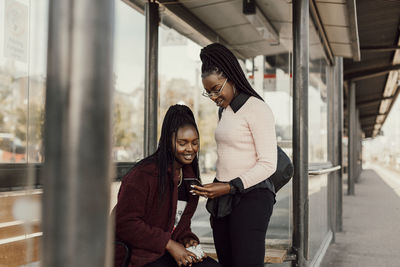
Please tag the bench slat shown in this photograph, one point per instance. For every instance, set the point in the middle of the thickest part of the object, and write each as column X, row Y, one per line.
column 7, row 202
column 20, row 252
column 18, row 229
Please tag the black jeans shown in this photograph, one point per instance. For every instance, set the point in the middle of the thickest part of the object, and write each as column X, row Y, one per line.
column 168, row 261
column 240, row 237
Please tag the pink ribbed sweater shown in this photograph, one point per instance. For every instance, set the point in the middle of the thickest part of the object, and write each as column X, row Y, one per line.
column 246, row 143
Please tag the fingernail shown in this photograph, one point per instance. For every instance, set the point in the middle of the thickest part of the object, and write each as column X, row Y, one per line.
column 192, row 186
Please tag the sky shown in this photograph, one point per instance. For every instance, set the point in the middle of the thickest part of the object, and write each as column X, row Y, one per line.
column 129, row 52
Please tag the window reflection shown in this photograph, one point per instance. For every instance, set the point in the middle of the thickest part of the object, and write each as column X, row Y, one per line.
column 277, row 86
column 317, row 144
column 23, row 54
column 128, row 109
column 180, row 83
column 22, row 80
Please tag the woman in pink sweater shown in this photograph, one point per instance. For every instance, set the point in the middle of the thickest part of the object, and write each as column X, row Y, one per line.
column 241, row 198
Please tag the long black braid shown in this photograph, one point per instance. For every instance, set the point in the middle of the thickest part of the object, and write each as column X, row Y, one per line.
column 176, row 117
column 219, row 60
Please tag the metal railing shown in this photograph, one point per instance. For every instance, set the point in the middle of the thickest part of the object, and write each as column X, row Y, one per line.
column 324, row 170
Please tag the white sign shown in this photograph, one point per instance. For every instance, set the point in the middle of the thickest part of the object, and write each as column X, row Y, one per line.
column 16, row 29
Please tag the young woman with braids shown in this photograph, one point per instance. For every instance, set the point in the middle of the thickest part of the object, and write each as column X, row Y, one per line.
column 154, row 205
column 241, row 198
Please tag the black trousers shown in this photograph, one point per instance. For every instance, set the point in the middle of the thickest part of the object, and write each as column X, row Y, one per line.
column 168, row 261
column 239, row 238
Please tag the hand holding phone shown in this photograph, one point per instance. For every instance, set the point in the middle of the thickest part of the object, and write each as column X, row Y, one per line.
column 193, row 181
column 198, row 251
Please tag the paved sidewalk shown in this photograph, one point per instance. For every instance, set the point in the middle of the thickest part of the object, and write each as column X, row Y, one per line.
column 371, row 223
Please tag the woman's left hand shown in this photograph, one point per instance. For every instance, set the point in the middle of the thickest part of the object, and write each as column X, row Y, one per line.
column 212, row 190
column 189, row 242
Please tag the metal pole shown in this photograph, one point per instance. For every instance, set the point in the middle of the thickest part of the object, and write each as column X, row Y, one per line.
column 77, row 169
column 300, row 130
column 151, row 79
column 356, row 146
column 332, row 144
column 339, row 206
column 351, row 113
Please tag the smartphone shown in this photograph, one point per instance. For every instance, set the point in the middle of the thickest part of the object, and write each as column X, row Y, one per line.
column 193, row 181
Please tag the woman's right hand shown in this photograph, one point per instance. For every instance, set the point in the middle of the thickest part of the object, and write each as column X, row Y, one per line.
column 212, row 190
column 182, row 256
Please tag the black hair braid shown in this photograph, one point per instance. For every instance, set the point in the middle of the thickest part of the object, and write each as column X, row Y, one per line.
column 217, row 59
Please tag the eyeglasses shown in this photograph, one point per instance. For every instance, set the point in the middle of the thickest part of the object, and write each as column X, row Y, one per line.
column 214, row 93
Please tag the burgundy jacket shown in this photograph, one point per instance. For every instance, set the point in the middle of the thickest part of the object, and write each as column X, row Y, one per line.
column 144, row 223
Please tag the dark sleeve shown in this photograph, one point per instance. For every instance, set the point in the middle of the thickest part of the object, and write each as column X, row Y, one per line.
column 236, row 186
column 130, row 225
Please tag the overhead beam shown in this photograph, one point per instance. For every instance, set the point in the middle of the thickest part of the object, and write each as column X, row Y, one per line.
column 355, row 41
column 366, row 125
column 370, row 73
column 321, row 30
column 138, row 5
column 380, row 48
column 371, row 116
column 372, row 102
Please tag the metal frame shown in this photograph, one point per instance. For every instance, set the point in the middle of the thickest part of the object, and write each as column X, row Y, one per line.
column 300, row 130
column 339, row 184
column 20, row 176
column 351, row 155
column 335, row 133
column 151, row 79
column 77, row 170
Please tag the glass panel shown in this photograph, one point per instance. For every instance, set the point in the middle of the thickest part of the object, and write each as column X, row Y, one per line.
column 23, row 54
column 23, row 45
column 318, row 143
column 278, row 94
column 129, row 51
column 14, row 76
column 317, row 102
column 318, row 212
column 180, row 83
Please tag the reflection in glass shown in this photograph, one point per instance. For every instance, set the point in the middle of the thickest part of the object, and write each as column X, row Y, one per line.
column 128, row 111
column 278, row 94
column 318, row 212
column 318, row 143
column 180, row 83
column 23, row 56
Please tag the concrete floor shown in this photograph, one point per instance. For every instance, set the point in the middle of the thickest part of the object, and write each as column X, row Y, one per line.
column 371, row 223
